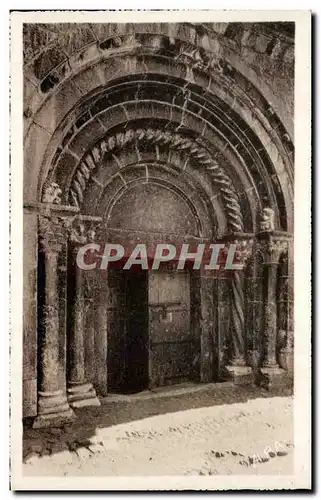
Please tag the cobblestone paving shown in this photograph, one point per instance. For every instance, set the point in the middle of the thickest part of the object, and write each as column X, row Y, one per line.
column 207, row 432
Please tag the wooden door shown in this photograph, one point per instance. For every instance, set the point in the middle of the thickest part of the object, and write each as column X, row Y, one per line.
column 116, row 328
column 127, row 364
column 171, row 339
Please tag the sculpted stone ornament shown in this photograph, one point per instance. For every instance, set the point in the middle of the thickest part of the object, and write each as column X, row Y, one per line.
column 81, row 235
column 272, row 249
column 78, row 235
column 244, row 249
column 198, row 58
column 91, row 234
column 172, row 141
column 268, row 220
column 51, row 234
column 52, row 194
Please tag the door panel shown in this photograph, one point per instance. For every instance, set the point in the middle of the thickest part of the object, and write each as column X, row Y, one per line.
column 136, row 331
column 116, row 317
column 172, row 343
column 127, row 364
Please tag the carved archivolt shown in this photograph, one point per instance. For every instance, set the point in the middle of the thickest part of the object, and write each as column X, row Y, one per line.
column 52, row 194
column 175, row 142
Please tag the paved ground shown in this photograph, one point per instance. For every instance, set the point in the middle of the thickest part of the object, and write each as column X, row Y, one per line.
column 205, row 430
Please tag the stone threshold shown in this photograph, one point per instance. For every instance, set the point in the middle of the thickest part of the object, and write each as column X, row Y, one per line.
column 168, row 391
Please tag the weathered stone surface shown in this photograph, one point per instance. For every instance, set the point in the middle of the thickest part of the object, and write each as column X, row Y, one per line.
column 172, row 131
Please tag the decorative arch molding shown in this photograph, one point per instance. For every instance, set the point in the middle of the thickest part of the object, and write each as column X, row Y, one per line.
column 158, row 137
column 268, row 159
column 221, row 93
column 122, row 114
column 232, row 101
column 176, row 115
column 241, row 160
column 201, row 46
column 190, row 102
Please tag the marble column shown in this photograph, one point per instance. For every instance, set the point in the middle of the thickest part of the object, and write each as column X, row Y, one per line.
column 53, row 407
column 80, row 391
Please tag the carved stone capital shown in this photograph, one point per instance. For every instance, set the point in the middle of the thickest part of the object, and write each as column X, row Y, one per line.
column 84, row 230
column 78, row 234
column 272, row 248
column 244, row 245
column 244, row 249
column 53, row 232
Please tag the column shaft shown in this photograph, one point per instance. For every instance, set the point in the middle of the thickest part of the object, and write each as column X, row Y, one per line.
column 270, row 316
column 237, row 368
column 273, row 245
column 80, row 391
column 207, row 327
column 53, row 408
column 237, row 320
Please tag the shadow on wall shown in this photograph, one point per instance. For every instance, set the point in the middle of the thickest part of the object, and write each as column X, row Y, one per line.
column 82, row 431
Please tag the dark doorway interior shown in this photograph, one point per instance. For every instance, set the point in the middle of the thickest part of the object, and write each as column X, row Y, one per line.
column 137, row 331
column 128, row 342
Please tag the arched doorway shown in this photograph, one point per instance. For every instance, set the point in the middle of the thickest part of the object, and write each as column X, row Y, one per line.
column 153, row 332
column 165, row 121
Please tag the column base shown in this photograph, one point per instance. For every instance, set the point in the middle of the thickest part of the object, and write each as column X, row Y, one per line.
column 272, row 376
column 242, row 375
column 80, row 395
column 286, row 360
column 53, row 410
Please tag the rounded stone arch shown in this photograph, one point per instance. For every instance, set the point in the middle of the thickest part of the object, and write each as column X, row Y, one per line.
column 188, row 157
column 54, row 53
column 116, row 173
column 224, row 153
column 265, row 161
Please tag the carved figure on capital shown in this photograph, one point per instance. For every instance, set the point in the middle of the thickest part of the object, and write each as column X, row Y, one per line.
column 267, row 220
column 78, row 235
column 272, row 249
column 52, row 194
column 91, row 235
column 53, row 231
column 244, row 249
column 51, row 234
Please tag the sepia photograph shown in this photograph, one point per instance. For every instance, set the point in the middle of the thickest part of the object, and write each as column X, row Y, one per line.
column 164, row 330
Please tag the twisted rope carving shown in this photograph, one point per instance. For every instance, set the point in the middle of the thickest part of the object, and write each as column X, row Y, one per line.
column 160, row 138
column 237, row 316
